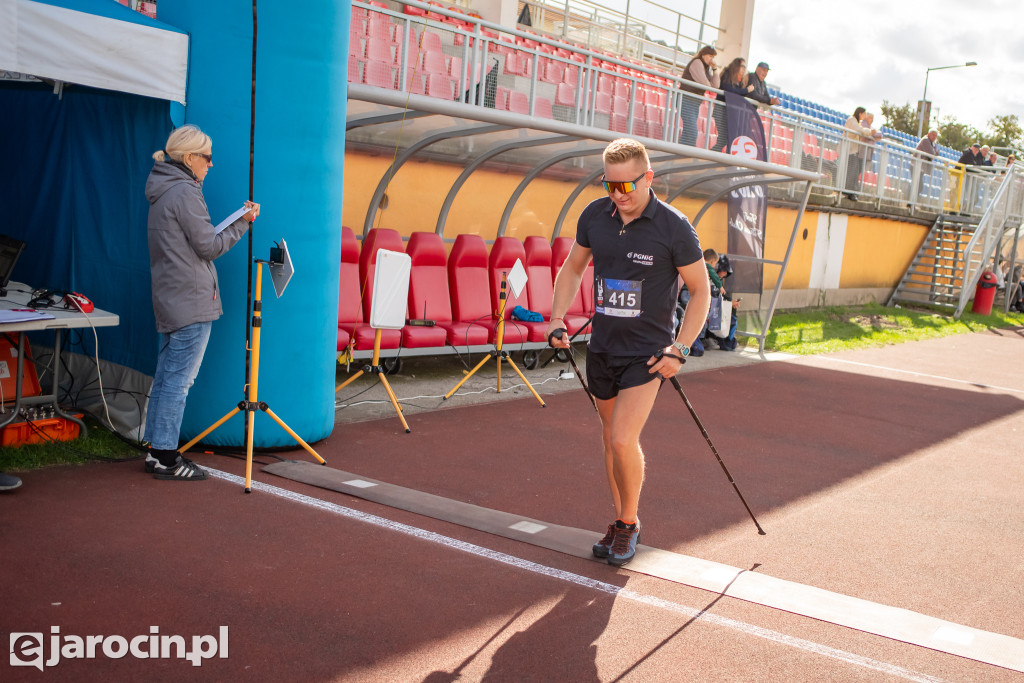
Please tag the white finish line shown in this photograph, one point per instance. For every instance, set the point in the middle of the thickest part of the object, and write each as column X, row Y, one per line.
column 569, row 577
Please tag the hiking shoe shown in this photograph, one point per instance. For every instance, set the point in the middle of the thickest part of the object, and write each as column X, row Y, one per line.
column 624, row 544
column 601, row 547
column 183, row 469
column 9, row 482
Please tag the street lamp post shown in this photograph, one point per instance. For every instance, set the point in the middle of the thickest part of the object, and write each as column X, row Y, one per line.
column 924, row 99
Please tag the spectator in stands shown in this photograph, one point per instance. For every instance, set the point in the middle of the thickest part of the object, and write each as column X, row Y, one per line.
column 876, row 135
column 735, row 80
column 986, row 156
column 186, row 296
column 641, row 247
column 929, row 143
column 760, row 92
column 1010, row 161
column 972, row 155
column 860, row 135
column 702, row 72
column 992, row 159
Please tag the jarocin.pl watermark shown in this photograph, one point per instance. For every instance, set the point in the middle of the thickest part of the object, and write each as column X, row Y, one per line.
column 27, row 648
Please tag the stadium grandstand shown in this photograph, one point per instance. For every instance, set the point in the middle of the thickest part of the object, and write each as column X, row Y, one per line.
column 521, row 96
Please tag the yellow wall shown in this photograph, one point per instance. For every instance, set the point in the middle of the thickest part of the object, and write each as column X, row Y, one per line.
column 878, row 251
column 417, row 192
column 876, row 254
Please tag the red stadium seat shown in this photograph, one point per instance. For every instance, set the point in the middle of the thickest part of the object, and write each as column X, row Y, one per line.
column 518, row 102
column 351, row 325
column 440, row 85
column 565, row 95
column 378, row 74
column 504, row 253
column 467, row 280
column 543, row 108
column 375, row 240
column 578, row 312
column 539, row 285
column 429, row 296
column 433, row 62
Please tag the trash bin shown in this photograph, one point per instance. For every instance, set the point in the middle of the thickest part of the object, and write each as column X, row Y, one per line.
column 984, row 293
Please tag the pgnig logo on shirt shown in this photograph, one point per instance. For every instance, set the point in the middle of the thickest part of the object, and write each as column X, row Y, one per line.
column 27, row 648
column 641, row 259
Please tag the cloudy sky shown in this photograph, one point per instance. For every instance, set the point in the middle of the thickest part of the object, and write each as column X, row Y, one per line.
column 850, row 54
column 827, row 51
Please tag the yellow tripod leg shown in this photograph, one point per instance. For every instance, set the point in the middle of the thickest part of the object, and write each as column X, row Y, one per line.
column 394, row 402
column 463, row 380
column 309, row 449
column 351, row 379
column 250, row 417
column 527, row 382
column 218, row 423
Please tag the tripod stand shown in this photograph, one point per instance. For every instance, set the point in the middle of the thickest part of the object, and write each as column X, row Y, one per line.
column 498, row 353
column 376, row 368
column 252, row 404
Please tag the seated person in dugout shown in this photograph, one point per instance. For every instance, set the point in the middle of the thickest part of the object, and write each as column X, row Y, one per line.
column 723, row 269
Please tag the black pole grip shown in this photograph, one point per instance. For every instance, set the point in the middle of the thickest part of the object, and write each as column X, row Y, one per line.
column 556, row 334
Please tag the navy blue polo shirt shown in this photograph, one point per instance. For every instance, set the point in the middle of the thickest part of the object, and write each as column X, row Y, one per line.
column 635, row 273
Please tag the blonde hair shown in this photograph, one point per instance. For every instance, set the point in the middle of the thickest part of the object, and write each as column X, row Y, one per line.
column 185, row 140
column 625, row 149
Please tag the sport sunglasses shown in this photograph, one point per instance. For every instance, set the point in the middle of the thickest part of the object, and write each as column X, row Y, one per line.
column 623, row 187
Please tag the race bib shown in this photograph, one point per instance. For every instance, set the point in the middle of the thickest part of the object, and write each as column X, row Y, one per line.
column 618, row 298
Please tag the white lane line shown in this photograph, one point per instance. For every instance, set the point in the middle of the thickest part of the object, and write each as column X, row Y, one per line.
column 920, row 374
column 586, row 582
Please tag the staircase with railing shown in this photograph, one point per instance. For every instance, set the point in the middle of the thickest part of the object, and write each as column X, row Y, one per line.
column 959, row 248
column 935, row 276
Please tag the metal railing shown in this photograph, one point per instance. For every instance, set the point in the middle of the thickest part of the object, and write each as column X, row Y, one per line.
column 644, row 30
column 488, row 65
column 1003, row 207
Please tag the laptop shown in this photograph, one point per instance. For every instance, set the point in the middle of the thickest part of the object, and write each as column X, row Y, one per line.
column 10, row 250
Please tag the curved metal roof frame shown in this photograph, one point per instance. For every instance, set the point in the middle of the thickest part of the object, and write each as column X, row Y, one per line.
column 372, row 122
column 475, row 164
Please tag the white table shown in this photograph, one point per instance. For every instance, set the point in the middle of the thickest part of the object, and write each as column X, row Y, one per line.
column 18, row 296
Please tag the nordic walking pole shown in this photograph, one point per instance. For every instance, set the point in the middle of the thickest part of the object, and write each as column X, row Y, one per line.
column 558, row 334
column 714, row 450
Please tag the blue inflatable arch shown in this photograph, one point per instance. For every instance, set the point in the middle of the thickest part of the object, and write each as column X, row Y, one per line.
column 301, row 61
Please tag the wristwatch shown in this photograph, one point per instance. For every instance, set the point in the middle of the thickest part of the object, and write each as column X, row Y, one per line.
column 684, row 350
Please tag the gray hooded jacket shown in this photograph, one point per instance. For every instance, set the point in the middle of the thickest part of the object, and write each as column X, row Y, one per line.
column 182, row 247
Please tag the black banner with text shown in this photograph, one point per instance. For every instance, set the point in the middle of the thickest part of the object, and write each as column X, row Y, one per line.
column 747, row 206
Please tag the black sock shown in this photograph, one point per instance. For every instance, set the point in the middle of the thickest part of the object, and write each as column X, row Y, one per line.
column 166, row 457
column 622, row 525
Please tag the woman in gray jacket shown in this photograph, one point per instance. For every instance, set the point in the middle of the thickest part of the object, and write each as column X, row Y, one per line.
column 186, row 298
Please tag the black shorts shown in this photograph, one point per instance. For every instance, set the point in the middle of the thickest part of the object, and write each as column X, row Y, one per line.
column 607, row 374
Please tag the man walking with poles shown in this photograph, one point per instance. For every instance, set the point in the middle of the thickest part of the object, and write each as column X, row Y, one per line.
column 640, row 247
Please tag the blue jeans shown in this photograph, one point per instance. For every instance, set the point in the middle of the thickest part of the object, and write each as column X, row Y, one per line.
column 177, row 364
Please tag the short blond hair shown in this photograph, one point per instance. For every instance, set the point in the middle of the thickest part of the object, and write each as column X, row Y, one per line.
column 626, row 149
column 185, row 140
